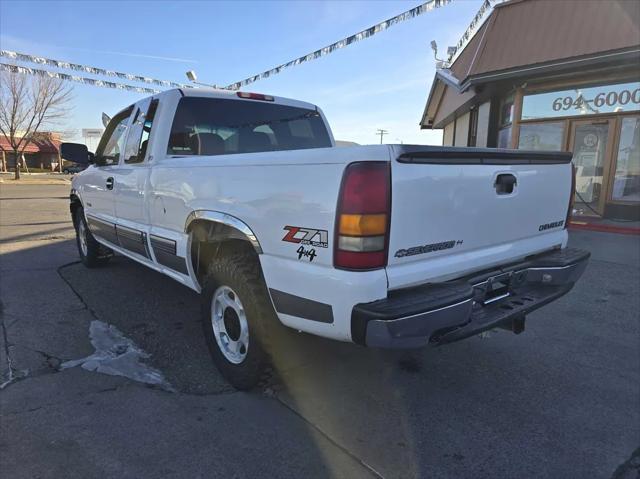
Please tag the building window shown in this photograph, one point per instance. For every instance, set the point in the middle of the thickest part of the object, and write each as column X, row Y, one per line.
column 582, row 101
column 473, row 127
column 626, row 184
column 541, row 136
column 506, row 111
column 506, row 118
column 504, row 137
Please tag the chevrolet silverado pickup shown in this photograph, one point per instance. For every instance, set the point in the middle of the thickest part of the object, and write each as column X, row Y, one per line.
column 244, row 198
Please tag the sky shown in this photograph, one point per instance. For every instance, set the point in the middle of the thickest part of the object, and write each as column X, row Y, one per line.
column 380, row 82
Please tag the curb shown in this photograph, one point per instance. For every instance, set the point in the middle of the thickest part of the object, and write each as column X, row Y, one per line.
column 585, row 226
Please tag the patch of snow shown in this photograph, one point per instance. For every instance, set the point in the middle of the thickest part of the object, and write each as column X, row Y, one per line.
column 117, row 355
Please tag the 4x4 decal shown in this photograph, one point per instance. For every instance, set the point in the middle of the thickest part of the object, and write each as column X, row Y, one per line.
column 307, row 236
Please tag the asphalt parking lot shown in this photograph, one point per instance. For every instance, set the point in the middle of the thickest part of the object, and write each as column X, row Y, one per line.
column 562, row 400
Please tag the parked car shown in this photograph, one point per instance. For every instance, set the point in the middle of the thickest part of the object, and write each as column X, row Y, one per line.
column 245, row 199
column 73, row 168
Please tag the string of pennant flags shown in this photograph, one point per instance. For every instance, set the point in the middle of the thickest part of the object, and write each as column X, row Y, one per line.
column 347, row 41
column 26, row 58
column 75, row 78
column 468, row 33
column 350, row 40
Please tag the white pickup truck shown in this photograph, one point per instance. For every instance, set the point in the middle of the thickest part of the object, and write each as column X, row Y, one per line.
column 244, row 198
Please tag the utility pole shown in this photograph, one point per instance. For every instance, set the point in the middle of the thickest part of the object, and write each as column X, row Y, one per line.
column 381, row 132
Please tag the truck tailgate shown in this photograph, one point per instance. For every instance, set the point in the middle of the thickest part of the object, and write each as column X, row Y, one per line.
column 456, row 210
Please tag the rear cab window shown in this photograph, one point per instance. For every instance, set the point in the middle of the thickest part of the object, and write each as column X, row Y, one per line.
column 214, row 126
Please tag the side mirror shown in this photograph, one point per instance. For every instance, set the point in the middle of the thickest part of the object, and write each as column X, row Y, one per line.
column 77, row 153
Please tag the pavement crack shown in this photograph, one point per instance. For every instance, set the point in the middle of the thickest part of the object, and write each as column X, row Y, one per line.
column 53, row 362
column 23, row 375
column 629, row 466
column 76, row 398
column 11, row 376
column 75, row 291
column 344, row 449
column 114, row 353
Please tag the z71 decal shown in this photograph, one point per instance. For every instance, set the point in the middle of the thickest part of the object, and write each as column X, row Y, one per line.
column 307, row 236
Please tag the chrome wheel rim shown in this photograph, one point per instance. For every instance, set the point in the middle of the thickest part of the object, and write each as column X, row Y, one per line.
column 82, row 237
column 229, row 324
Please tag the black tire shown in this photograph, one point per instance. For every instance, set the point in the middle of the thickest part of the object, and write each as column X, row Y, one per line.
column 93, row 255
column 239, row 272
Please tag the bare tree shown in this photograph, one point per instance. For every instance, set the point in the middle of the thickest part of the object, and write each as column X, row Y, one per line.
column 27, row 105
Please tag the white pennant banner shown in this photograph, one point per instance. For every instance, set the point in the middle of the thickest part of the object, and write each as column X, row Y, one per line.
column 26, row 58
column 468, row 34
column 74, row 78
column 369, row 32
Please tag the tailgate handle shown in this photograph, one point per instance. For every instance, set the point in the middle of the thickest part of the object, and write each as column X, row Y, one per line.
column 505, row 183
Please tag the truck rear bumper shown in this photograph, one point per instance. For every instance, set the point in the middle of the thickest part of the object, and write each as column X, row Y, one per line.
column 447, row 312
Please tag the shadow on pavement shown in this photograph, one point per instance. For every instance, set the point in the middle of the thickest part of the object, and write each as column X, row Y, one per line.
column 75, row 423
column 558, row 401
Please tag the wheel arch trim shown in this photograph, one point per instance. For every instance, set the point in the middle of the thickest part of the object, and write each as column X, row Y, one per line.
column 74, row 201
column 225, row 219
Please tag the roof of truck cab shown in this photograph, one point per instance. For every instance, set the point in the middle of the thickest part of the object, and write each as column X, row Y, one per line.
column 232, row 95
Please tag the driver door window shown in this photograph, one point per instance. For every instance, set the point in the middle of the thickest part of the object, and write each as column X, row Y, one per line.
column 139, row 132
column 112, row 143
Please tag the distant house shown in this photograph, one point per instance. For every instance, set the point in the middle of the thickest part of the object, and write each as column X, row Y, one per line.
column 553, row 75
column 39, row 153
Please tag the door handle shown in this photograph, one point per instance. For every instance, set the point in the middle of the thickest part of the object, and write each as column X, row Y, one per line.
column 110, row 183
column 505, row 184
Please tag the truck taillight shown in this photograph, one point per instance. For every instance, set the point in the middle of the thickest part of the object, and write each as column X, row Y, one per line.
column 363, row 217
column 572, row 197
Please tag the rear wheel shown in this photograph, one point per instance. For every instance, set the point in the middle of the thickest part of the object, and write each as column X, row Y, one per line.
column 235, row 315
column 92, row 254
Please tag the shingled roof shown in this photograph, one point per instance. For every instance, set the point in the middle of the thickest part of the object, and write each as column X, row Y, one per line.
column 44, row 143
column 530, row 37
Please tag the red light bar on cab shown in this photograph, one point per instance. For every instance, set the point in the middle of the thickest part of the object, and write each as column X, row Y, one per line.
column 254, row 96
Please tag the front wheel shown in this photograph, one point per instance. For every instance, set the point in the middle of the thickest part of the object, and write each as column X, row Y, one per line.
column 235, row 315
column 92, row 254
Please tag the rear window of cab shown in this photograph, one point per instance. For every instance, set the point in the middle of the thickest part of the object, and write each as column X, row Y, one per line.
column 213, row 126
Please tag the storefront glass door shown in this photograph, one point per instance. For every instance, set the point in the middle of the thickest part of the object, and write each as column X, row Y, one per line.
column 626, row 181
column 591, row 143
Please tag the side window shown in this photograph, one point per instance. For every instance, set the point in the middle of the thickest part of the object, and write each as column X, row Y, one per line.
column 112, row 142
column 139, row 133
